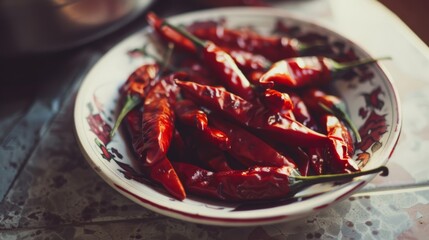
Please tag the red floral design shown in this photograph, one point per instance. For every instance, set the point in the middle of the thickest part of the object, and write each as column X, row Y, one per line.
column 372, row 130
column 99, row 127
column 373, row 98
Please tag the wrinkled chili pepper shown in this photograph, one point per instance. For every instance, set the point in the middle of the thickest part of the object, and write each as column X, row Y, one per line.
column 162, row 171
column 157, row 128
column 247, row 61
column 276, row 101
column 339, row 154
column 249, row 149
column 201, row 152
column 337, row 157
column 273, row 48
column 255, row 184
column 321, row 103
column 212, row 157
column 216, row 59
column 273, row 125
column 134, row 90
column 139, row 83
column 190, row 115
column 301, row 112
column 308, row 71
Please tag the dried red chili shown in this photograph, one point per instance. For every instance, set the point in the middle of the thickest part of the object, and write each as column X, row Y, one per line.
column 152, row 134
column 273, row 48
column 216, row 59
column 190, row 115
column 321, row 103
column 273, row 125
column 248, row 149
column 308, row 71
column 255, row 184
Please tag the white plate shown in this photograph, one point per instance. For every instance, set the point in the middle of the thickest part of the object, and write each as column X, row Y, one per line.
column 372, row 102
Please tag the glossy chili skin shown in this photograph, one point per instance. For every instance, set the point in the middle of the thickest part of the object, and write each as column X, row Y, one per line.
column 298, row 72
column 337, row 157
column 247, row 61
column 258, row 183
column 220, row 62
column 227, row 70
column 272, row 125
column 157, row 130
column 192, row 116
column 277, row 101
column 201, row 152
column 141, row 80
column 301, row 112
column 273, row 48
column 314, row 97
column 344, row 147
column 161, row 171
column 249, row 149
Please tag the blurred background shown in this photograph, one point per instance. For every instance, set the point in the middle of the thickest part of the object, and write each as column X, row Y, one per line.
column 413, row 13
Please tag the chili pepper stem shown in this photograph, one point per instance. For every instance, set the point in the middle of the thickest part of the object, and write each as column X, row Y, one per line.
column 132, row 99
column 305, row 48
column 342, row 115
column 310, row 180
column 131, row 102
column 344, row 66
column 195, row 40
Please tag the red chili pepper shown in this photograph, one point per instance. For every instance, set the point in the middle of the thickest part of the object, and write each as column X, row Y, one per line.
column 248, row 149
column 321, row 103
column 276, row 101
column 247, row 61
column 216, row 59
column 336, row 128
column 301, row 112
column 308, row 71
column 139, row 81
column 161, row 171
column 337, row 157
column 157, row 130
column 190, row 115
column 255, row 184
column 158, row 121
column 195, row 72
column 273, row 48
column 340, row 151
column 212, row 157
column 135, row 89
column 201, row 152
column 272, row 125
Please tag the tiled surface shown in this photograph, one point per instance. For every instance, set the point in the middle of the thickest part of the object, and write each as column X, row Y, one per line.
column 56, row 195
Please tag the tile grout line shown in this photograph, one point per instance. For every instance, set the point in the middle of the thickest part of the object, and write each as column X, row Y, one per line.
column 91, row 223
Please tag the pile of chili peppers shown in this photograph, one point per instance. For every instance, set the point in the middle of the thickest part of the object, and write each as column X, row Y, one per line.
column 245, row 118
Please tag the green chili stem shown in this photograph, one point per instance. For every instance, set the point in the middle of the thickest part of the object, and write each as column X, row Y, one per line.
column 132, row 99
column 195, row 40
column 344, row 66
column 342, row 115
column 131, row 102
column 300, row 183
column 305, row 48
column 340, row 177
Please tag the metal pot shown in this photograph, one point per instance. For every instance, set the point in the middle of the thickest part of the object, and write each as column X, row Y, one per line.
column 35, row 26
